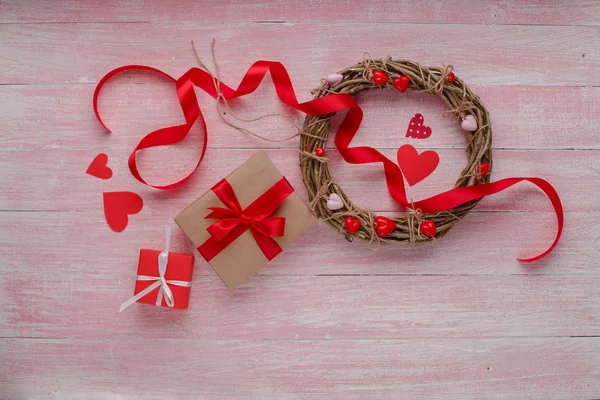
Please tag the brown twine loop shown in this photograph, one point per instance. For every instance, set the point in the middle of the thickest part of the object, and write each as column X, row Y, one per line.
column 370, row 227
column 367, row 62
column 473, row 136
column 313, row 156
column 456, row 217
column 477, row 175
column 437, row 87
column 384, row 66
column 321, row 192
column 220, row 99
column 416, row 215
column 460, row 112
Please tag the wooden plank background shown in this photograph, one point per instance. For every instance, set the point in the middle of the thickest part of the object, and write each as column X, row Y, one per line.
column 457, row 319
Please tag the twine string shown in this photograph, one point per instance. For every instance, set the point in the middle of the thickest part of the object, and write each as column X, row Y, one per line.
column 221, row 100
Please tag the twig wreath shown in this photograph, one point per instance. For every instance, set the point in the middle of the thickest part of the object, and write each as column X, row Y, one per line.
column 396, row 75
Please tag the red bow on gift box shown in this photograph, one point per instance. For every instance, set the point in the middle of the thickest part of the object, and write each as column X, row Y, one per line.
column 233, row 221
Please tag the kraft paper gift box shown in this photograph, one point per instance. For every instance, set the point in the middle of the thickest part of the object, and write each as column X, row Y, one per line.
column 245, row 220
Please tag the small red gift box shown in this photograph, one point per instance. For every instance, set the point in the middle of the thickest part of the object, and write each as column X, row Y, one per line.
column 179, row 268
column 163, row 279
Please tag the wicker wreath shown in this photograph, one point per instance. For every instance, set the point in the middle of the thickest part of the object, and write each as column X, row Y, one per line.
column 461, row 102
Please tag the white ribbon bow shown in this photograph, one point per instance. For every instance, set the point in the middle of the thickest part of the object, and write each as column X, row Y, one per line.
column 160, row 281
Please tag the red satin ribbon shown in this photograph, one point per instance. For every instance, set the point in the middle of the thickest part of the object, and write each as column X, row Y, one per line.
column 321, row 106
column 232, row 221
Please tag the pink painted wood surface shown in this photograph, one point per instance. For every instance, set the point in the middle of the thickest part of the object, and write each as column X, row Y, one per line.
column 457, row 319
column 581, row 12
column 505, row 54
column 440, row 368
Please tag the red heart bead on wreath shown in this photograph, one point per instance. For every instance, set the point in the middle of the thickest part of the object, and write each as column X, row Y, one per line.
column 379, row 77
column 484, row 169
column 428, row 228
column 384, row 226
column 352, row 225
column 401, row 83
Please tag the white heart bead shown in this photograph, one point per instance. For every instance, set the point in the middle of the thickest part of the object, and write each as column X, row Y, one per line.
column 334, row 79
column 469, row 123
column 334, row 202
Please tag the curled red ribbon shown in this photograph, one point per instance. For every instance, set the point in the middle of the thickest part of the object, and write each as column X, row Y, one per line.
column 321, row 106
column 233, row 221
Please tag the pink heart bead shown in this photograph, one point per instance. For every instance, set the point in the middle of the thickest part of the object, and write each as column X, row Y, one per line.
column 334, row 202
column 469, row 123
column 334, row 79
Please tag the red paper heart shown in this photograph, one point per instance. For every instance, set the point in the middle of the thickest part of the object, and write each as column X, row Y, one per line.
column 98, row 167
column 401, row 83
column 117, row 206
column 428, row 228
column 416, row 129
column 384, row 226
column 379, row 77
column 352, row 224
column 415, row 166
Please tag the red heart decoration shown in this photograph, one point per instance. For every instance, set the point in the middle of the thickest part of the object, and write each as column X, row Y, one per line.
column 117, row 205
column 384, row 226
column 379, row 77
column 98, row 167
column 428, row 228
column 416, row 129
column 401, row 83
column 415, row 166
column 352, row 224
column 484, row 169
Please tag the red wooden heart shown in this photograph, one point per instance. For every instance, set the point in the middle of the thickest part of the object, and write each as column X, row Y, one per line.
column 416, row 129
column 379, row 77
column 384, row 226
column 117, row 207
column 352, row 224
column 98, row 167
column 415, row 166
column 484, row 169
column 401, row 83
column 428, row 228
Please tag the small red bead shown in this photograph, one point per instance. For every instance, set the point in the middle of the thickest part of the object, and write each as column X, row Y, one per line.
column 428, row 228
column 319, row 151
column 451, row 77
column 484, row 169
